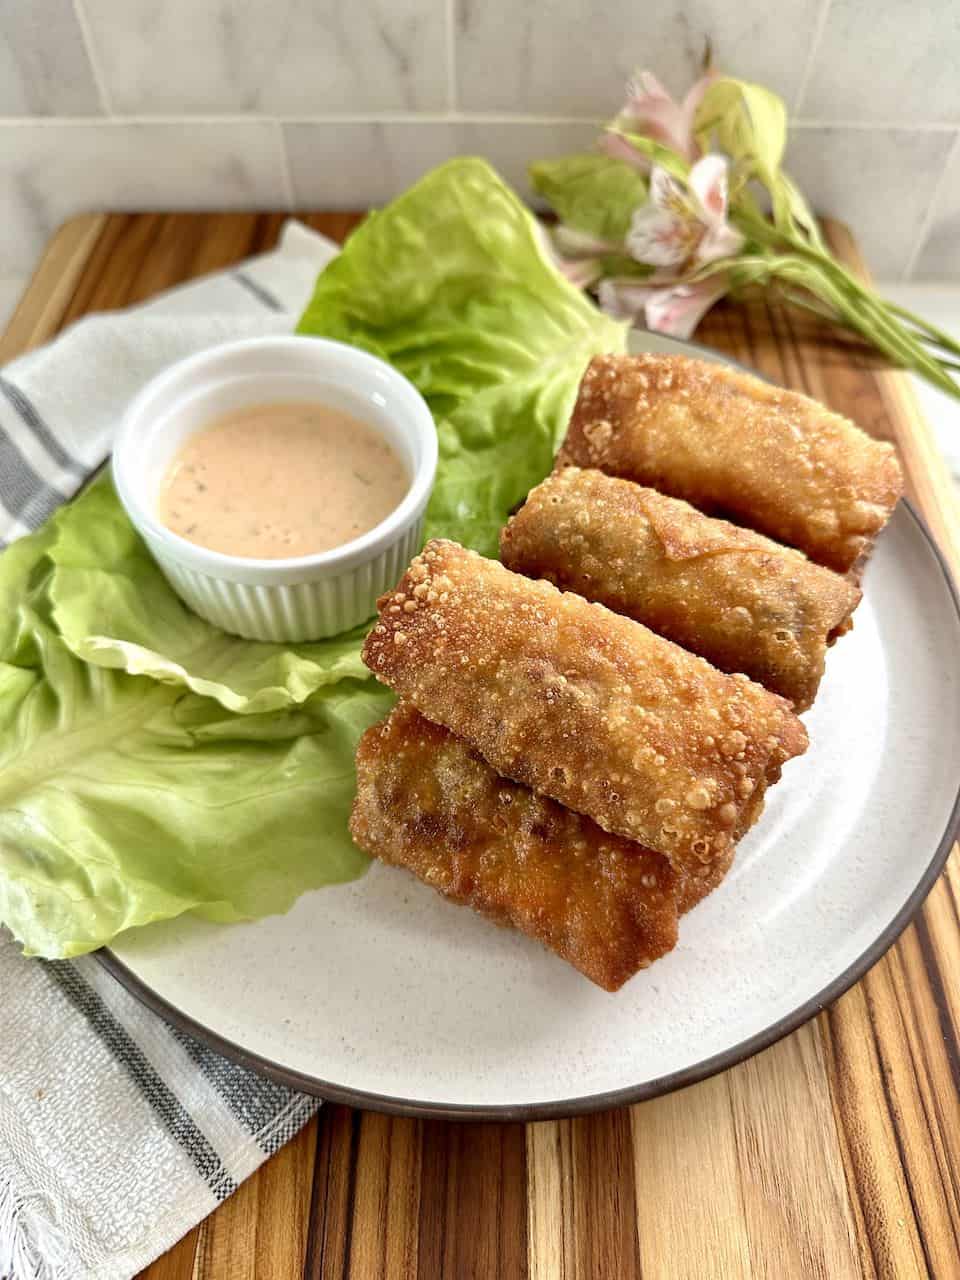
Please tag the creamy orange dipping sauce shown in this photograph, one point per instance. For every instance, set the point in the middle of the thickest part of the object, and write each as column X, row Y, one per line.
column 277, row 480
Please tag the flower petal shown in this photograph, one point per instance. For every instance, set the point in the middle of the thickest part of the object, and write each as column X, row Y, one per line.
column 691, row 105
column 620, row 149
column 650, row 110
column 623, row 299
column 678, row 311
column 708, row 182
column 665, row 191
column 719, row 241
column 642, row 90
column 659, row 238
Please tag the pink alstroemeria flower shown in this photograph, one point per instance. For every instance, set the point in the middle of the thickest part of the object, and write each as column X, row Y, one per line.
column 649, row 110
column 685, row 229
column 576, row 254
column 673, row 309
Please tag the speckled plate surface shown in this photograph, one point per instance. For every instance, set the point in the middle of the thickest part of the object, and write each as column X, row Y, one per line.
column 381, row 994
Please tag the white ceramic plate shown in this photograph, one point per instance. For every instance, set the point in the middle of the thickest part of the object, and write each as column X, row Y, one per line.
column 381, row 994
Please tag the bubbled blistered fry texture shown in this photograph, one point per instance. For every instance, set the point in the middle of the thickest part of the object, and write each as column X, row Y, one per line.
column 582, row 704
column 739, row 600
column 428, row 802
column 700, row 880
column 731, row 444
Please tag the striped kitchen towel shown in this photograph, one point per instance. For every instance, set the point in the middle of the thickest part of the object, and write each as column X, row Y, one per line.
column 118, row 1133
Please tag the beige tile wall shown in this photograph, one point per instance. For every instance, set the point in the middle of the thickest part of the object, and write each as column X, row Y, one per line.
column 246, row 103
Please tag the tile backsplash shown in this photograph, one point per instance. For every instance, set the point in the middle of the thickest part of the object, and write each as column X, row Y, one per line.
column 343, row 103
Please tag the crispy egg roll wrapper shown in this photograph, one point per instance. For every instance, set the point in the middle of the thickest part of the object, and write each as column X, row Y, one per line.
column 734, row 445
column 582, row 704
column 739, row 600
column 429, row 802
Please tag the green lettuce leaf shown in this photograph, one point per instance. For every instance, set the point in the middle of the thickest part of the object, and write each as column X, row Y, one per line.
column 124, row 800
column 114, row 608
column 591, row 192
column 453, row 286
column 152, row 765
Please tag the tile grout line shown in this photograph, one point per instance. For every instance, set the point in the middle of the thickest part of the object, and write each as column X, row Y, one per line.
column 451, row 40
column 926, row 222
column 878, row 126
column 413, row 117
column 96, row 70
column 816, row 40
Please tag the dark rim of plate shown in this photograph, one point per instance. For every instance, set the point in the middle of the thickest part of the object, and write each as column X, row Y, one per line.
column 333, row 1092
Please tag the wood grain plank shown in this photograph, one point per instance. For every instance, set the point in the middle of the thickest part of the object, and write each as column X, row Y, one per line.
column 550, row 1213
column 261, row 1231
column 395, row 1197
column 690, row 1207
column 473, row 1198
column 784, row 1092
column 386, row 1205
column 177, row 1263
column 915, row 1051
column 867, row 1118
column 46, row 299
column 331, row 1219
column 604, row 1196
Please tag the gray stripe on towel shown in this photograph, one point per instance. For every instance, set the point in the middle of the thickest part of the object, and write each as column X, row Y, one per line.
column 259, row 292
column 255, row 1101
column 155, row 1091
column 23, row 493
column 38, row 428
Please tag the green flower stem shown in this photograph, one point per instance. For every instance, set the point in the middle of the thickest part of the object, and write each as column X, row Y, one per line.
column 855, row 306
column 930, row 333
column 849, row 302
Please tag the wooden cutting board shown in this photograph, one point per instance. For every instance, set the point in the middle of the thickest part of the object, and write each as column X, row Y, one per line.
column 834, row 1154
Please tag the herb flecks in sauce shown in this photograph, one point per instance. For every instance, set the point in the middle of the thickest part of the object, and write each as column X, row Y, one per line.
column 278, row 480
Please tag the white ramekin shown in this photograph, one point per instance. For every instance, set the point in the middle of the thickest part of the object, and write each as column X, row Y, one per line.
column 304, row 597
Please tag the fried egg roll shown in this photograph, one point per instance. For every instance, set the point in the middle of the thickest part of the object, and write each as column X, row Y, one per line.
column 428, row 802
column 739, row 600
column 739, row 447
column 582, row 704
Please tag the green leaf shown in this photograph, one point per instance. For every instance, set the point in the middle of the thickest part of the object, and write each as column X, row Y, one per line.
column 591, row 192
column 454, row 286
column 664, row 157
column 749, row 124
column 124, row 800
column 746, row 121
column 113, row 607
column 151, row 765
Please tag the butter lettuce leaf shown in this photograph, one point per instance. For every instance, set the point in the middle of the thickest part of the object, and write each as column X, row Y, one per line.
column 453, row 285
column 152, row 765
column 114, row 608
column 125, row 800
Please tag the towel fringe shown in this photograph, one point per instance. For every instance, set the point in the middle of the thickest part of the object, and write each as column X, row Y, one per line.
column 31, row 1248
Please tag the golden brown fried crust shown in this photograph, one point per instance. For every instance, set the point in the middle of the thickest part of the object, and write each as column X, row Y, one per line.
column 427, row 802
column 732, row 444
column 739, row 600
column 697, row 883
column 581, row 704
